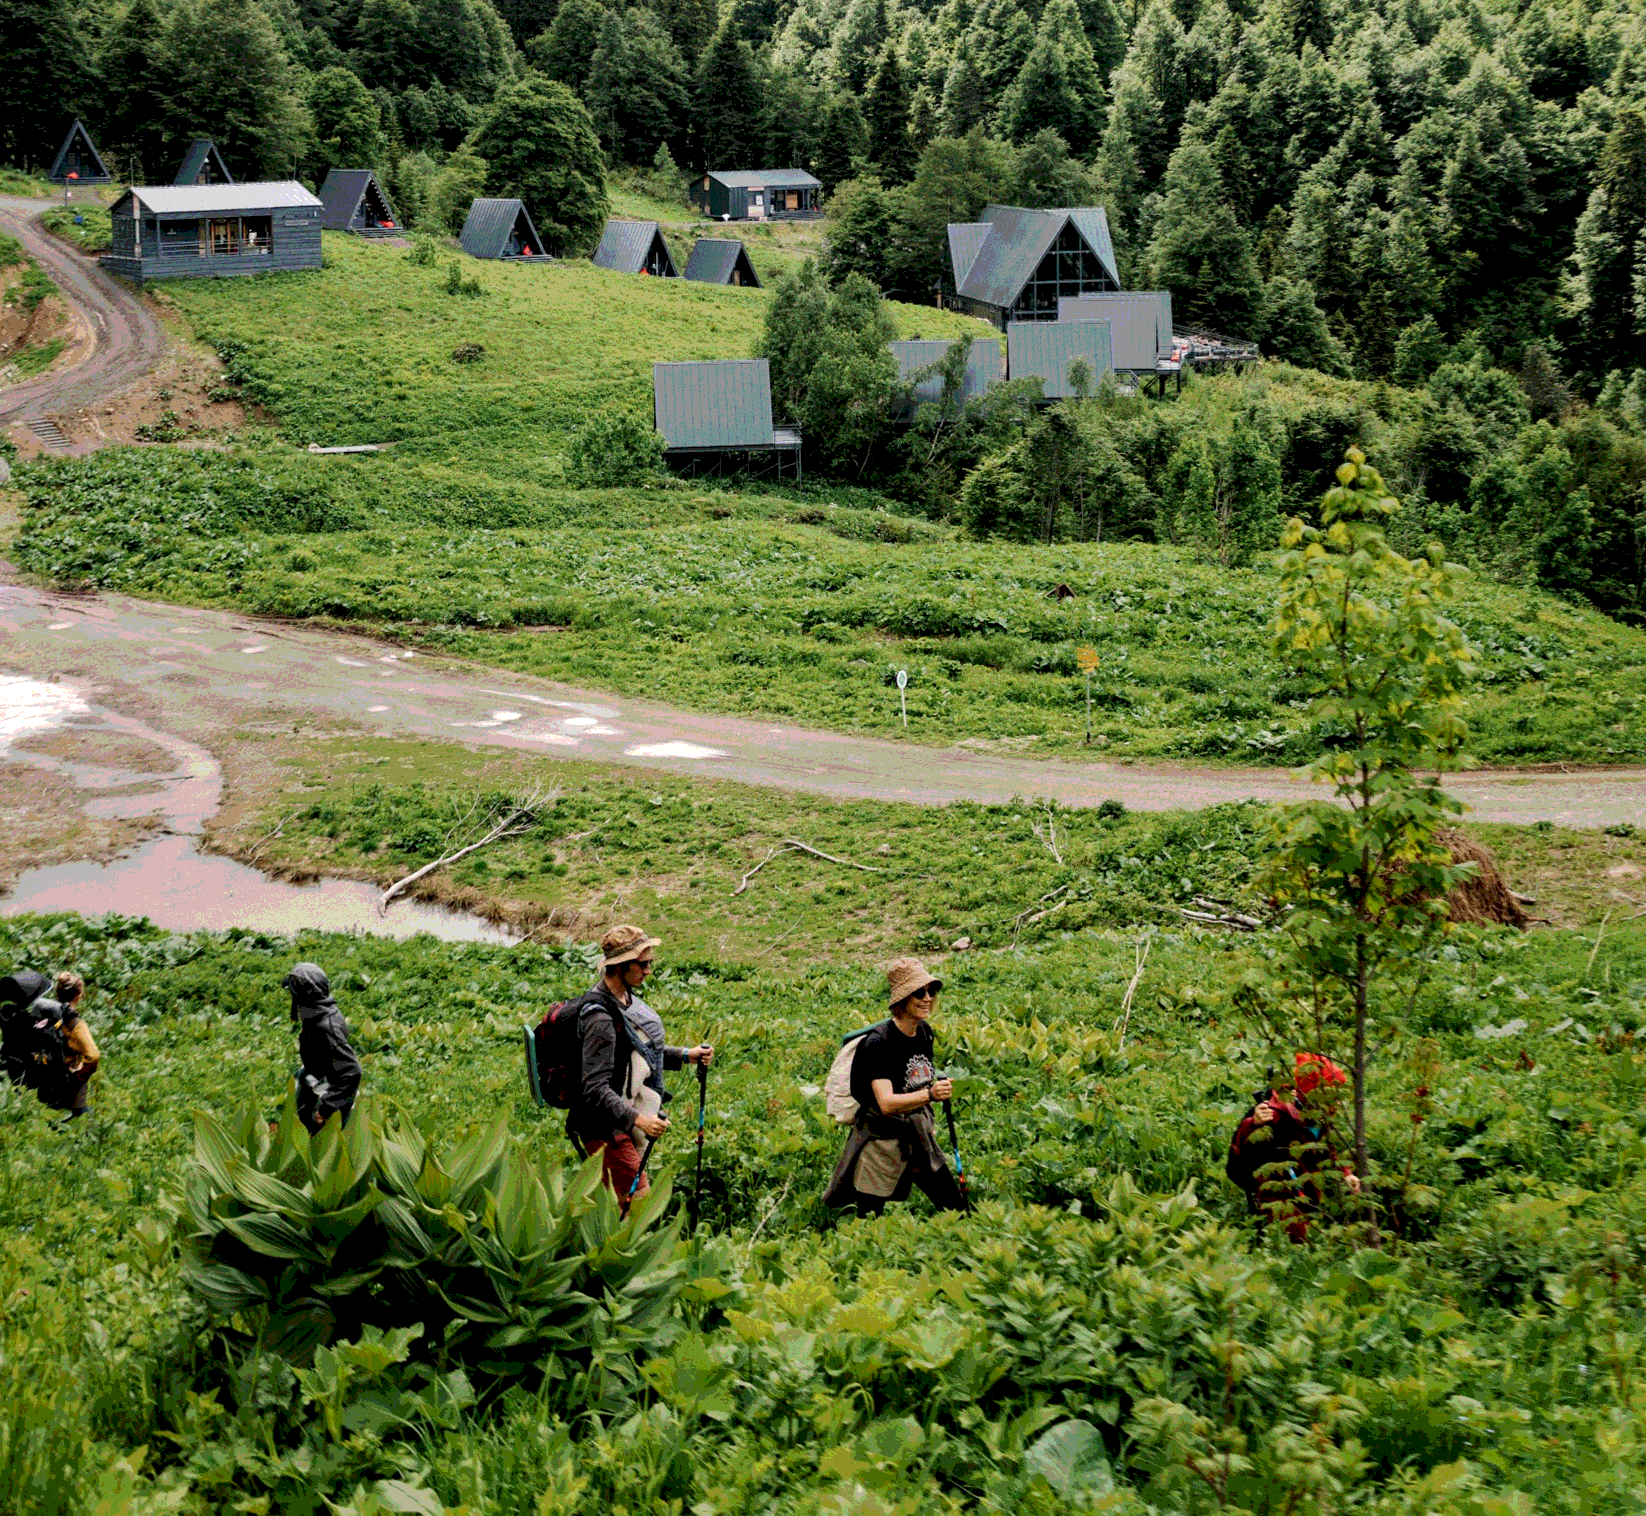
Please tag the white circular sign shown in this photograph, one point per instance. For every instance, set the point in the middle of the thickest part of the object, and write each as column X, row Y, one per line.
column 902, row 678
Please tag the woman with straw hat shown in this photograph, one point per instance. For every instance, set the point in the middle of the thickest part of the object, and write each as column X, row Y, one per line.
column 893, row 1146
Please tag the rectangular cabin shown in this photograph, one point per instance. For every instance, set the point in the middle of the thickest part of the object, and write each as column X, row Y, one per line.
column 716, row 418
column 768, row 194
column 1050, row 350
column 1140, row 321
column 213, row 231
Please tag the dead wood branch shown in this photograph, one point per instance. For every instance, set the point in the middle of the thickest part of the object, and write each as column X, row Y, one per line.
column 1047, row 835
column 1215, row 913
column 793, row 845
column 267, row 838
column 1140, row 954
column 1032, row 915
column 525, row 811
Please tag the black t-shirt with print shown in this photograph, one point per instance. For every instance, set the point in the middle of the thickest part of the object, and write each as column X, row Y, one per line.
column 887, row 1054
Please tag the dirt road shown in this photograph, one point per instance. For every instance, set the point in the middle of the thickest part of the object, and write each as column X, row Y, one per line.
column 125, row 341
column 200, row 673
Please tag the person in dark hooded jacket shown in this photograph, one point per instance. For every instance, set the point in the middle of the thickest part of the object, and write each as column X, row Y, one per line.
column 18, row 992
column 329, row 1078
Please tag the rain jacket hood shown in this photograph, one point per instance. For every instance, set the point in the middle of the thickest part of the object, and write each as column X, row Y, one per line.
column 310, row 991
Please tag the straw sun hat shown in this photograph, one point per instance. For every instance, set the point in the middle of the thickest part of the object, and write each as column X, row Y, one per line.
column 906, row 975
column 623, row 944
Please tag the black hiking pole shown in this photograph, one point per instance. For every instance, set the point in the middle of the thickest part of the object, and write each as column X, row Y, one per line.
column 640, row 1172
column 959, row 1167
column 702, row 1107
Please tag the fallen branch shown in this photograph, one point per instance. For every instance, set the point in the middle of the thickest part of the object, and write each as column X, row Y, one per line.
column 1140, row 952
column 792, row 845
column 525, row 811
column 1030, row 916
column 1048, row 837
column 1214, row 913
column 280, row 827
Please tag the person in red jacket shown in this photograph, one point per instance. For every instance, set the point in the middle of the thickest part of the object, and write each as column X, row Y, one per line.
column 1281, row 1149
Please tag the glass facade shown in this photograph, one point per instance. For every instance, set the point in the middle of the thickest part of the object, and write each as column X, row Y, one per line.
column 1068, row 268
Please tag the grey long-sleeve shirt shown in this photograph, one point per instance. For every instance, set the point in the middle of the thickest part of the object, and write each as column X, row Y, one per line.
column 604, row 1109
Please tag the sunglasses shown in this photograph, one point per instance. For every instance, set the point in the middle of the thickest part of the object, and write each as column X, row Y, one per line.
column 928, row 993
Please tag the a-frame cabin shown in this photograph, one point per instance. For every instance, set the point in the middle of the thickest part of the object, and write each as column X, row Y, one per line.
column 721, row 260
column 501, row 229
column 635, row 247
column 354, row 201
column 203, row 164
column 78, row 159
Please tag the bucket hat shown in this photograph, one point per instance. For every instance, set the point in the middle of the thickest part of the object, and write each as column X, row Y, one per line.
column 625, row 943
column 906, row 975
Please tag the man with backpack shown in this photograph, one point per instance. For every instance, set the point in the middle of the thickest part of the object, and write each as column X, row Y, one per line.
column 616, row 1107
column 894, row 1085
column 328, row 1076
column 1280, row 1151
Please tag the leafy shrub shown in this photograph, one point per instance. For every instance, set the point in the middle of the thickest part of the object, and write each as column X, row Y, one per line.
column 468, row 352
column 515, row 1264
column 615, row 449
column 456, row 284
column 424, row 251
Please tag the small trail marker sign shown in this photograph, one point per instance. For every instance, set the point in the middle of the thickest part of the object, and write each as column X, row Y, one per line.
column 1087, row 658
column 903, row 699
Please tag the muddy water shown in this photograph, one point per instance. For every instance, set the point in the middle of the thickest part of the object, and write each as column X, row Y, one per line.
column 167, row 878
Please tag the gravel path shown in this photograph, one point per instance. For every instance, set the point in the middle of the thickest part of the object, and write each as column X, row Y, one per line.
column 200, row 673
column 126, row 340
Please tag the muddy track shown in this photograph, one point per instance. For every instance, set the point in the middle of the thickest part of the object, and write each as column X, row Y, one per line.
column 126, row 340
column 208, row 674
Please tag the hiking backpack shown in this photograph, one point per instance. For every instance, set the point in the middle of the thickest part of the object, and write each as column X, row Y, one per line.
column 32, row 1041
column 554, row 1054
column 837, row 1087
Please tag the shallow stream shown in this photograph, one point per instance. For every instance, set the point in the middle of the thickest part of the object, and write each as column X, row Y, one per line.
column 167, row 878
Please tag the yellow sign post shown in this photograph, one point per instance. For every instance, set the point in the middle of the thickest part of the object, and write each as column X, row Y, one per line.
column 1086, row 657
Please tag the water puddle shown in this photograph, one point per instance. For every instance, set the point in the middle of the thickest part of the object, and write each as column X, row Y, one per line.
column 167, row 878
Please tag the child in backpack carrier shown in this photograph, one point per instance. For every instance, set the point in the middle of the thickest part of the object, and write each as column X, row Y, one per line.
column 47, row 1047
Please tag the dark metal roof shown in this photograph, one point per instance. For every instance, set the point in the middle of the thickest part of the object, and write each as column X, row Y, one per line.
column 723, row 404
column 218, row 199
column 765, row 178
column 492, row 224
column 60, row 171
column 625, row 246
column 983, row 366
column 342, row 193
column 1004, row 257
column 714, row 259
column 1045, row 349
column 965, row 238
column 203, row 158
column 1140, row 324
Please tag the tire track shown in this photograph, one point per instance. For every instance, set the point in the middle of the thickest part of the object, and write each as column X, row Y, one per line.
column 126, row 340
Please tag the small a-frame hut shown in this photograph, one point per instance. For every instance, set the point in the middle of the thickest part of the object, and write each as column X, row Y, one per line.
column 203, row 164
column 721, row 260
column 635, row 247
column 78, row 159
column 353, row 201
column 501, row 229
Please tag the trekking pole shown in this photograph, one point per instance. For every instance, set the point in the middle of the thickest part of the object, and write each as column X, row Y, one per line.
column 640, row 1172
column 959, row 1167
column 702, row 1106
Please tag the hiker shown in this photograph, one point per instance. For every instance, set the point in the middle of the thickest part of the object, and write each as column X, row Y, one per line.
column 618, row 1111
column 328, row 1077
column 893, row 1145
column 64, row 1086
column 44, row 1045
column 1280, row 1131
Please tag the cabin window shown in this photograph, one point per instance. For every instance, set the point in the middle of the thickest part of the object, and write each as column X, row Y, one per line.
column 237, row 236
column 794, row 200
column 755, row 198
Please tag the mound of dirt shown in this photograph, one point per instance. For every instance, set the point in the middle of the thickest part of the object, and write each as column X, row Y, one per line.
column 1484, row 900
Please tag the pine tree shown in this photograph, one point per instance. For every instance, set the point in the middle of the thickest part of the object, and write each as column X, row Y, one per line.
column 348, row 129
column 637, row 93
column 133, row 116
column 1199, row 251
column 1105, row 34
column 890, row 148
column 964, row 103
column 1611, row 242
column 859, row 44
column 729, row 106
column 540, row 145
column 45, row 79
column 842, row 142
column 566, row 51
column 690, row 22
column 1058, row 88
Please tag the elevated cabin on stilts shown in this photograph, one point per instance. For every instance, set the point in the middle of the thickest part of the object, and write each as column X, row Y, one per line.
column 718, row 260
column 1015, row 265
column 1140, row 322
column 354, row 201
column 916, row 356
column 78, row 160
column 716, row 418
column 501, row 229
column 203, row 164
column 634, row 247
column 1049, row 350
column 210, row 231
